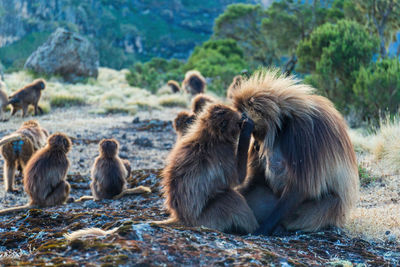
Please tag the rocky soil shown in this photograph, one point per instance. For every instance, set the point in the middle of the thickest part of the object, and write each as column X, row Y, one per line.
column 36, row 237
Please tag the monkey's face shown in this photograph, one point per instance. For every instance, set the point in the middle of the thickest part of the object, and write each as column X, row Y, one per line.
column 40, row 84
column 59, row 141
column 109, row 147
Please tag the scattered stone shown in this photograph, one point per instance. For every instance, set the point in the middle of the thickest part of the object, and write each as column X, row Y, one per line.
column 143, row 141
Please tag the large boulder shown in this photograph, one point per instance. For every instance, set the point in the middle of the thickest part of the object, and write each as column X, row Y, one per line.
column 66, row 54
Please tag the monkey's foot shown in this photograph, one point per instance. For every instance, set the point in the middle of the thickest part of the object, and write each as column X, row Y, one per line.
column 12, row 191
column 70, row 200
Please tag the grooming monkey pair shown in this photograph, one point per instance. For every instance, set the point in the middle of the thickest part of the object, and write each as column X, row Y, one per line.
column 45, row 174
column 301, row 174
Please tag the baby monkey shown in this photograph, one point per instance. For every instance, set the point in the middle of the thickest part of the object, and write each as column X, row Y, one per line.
column 185, row 119
column 109, row 174
column 45, row 175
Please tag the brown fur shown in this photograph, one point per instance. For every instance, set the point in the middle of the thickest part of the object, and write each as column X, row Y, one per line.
column 3, row 100
column 194, row 83
column 18, row 147
column 200, row 101
column 45, row 175
column 28, row 95
column 237, row 80
column 182, row 123
column 184, row 119
column 174, row 85
column 109, row 173
column 305, row 158
column 201, row 172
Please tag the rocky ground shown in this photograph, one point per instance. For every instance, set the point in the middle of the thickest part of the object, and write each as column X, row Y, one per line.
column 36, row 237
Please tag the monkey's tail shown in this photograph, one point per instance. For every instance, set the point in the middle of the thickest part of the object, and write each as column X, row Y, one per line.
column 84, row 198
column 171, row 221
column 10, row 138
column 132, row 191
column 89, row 232
column 17, row 209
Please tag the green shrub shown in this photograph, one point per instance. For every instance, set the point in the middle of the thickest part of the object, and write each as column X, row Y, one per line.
column 153, row 74
column 333, row 55
column 377, row 88
column 219, row 60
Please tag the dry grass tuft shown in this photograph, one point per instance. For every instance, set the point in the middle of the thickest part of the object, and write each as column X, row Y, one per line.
column 377, row 223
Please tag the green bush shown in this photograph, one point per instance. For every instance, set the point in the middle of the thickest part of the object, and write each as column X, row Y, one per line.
column 377, row 88
column 333, row 55
column 153, row 74
column 219, row 60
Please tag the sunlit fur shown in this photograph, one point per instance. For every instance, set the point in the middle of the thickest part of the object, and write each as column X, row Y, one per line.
column 237, row 80
column 18, row 147
column 28, row 95
column 305, row 143
column 185, row 119
column 194, row 83
column 3, row 100
column 201, row 172
column 45, row 174
column 200, row 101
column 109, row 172
column 174, row 85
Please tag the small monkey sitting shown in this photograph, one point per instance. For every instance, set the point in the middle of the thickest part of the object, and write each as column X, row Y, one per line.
column 45, row 175
column 109, row 174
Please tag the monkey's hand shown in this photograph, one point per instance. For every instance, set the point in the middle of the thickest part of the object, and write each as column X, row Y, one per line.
column 247, row 125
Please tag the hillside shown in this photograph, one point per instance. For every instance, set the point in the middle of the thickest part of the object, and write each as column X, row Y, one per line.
column 122, row 31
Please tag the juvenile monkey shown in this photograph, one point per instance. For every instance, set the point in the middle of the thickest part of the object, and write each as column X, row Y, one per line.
column 109, row 174
column 28, row 95
column 182, row 122
column 45, row 174
column 18, row 147
column 237, row 81
column 184, row 119
column 305, row 157
column 202, row 170
column 174, row 85
column 194, row 83
column 3, row 100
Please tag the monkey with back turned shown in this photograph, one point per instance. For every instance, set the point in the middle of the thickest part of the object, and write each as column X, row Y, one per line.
column 109, row 174
column 194, row 83
column 18, row 147
column 45, row 175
